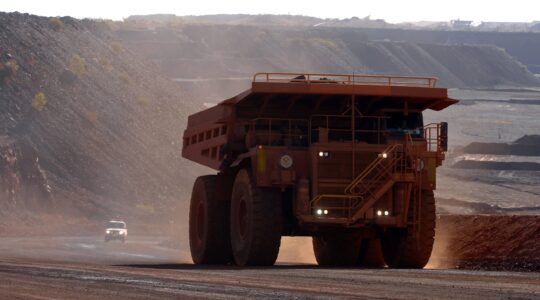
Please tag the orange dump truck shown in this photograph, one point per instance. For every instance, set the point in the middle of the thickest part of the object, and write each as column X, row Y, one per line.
column 346, row 159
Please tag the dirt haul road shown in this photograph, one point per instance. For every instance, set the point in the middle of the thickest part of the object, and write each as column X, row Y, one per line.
column 154, row 267
column 33, row 280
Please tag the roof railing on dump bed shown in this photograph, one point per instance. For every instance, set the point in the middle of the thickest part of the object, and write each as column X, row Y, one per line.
column 352, row 79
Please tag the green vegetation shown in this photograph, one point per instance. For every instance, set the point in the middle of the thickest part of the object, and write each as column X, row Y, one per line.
column 91, row 116
column 125, row 78
column 327, row 43
column 12, row 65
column 56, row 23
column 143, row 101
column 39, row 101
column 77, row 65
column 117, row 47
column 8, row 70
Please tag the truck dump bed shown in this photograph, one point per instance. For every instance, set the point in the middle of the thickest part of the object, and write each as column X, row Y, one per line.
column 298, row 96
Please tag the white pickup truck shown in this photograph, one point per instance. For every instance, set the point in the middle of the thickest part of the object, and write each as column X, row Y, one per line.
column 116, row 230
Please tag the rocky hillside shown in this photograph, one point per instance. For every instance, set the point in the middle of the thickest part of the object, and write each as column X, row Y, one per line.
column 86, row 126
column 89, row 127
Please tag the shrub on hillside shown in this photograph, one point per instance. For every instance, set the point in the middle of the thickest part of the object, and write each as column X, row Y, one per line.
column 77, row 65
column 143, row 101
column 39, row 101
column 117, row 47
column 13, row 66
column 91, row 116
column 8, row 70
column 326, row 43
column 125, row 78
column 56, row 23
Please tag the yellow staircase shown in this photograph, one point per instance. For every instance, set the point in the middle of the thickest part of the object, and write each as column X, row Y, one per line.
column 368, row 187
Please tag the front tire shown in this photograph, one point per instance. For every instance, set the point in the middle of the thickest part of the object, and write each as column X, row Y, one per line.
column 256, row 222
column 209, row 223
column 404, row 248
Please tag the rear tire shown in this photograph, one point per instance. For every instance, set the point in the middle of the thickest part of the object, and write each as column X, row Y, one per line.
column 256, row 222
column 402, row 248
column 337, row 250
column 209, row 223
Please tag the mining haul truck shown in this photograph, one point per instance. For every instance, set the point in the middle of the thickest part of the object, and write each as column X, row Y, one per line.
column 345, row 159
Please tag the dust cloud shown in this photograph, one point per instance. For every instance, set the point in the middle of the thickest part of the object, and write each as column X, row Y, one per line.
column 296, row 250
column 441, row 256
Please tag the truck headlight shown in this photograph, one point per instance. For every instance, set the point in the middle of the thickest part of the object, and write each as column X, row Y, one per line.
column 286, row 161
column 381, row 213
column 107, row 231
column 321, row 212
column 323, row 154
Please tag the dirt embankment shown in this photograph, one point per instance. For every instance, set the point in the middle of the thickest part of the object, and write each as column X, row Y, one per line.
column 526, row 146
column 487, row 243
column 478, row 242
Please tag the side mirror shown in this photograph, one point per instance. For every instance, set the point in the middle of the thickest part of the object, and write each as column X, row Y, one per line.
column 443, row 135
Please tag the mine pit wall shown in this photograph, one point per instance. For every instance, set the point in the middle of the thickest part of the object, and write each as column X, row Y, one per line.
column 208, row 61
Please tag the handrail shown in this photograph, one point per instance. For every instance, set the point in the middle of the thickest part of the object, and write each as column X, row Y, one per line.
column 369, row 169
column 370, row 188
column 433, row 137
column 351, row 79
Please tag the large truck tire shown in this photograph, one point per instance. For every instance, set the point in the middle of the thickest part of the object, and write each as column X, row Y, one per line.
column 209, row 223
column 371, row 255
column 402, row 248
column 337, row 249
column 256, row 222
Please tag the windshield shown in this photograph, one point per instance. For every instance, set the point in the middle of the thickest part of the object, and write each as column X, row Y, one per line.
column 120, row 225
column 398, row 122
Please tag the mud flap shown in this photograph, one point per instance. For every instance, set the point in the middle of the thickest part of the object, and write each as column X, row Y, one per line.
column 301, row 201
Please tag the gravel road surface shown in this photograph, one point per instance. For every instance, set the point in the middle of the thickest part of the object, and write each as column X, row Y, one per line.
column 143, row 268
